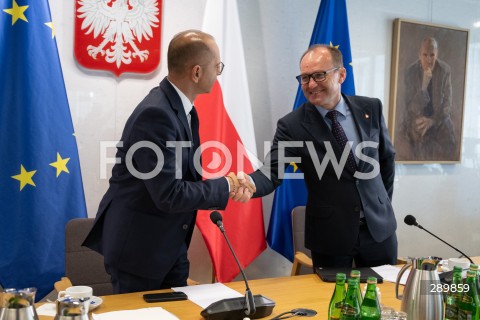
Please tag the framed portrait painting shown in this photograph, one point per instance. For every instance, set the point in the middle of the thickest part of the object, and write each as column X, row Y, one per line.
column 427, row 91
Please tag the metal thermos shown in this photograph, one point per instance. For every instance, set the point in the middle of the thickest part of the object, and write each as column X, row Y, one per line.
column 18, row 304
column 421, row 298
column 72, row 308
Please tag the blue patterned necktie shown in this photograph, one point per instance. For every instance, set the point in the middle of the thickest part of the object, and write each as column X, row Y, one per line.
column 341, row 138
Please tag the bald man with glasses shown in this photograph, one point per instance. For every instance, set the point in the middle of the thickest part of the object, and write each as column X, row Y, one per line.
column 145, row 220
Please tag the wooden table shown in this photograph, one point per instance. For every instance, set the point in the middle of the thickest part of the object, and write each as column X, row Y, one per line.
column 306, row 291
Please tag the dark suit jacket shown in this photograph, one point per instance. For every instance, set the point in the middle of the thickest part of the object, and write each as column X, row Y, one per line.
column 334, row 204
column 142, row 223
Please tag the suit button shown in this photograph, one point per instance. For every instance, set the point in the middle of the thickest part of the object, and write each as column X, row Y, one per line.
column 356, row 209
column 185, row 226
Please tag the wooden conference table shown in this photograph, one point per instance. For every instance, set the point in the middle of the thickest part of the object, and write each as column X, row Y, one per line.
column 305, row 291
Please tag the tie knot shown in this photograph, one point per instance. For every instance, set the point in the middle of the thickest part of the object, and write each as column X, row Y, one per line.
column 332, row 115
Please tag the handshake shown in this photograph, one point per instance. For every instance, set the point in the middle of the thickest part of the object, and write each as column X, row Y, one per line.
column 241, row 186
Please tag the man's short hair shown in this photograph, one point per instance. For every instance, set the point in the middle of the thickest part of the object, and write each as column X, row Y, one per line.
column 336, row 54
column 187, row 49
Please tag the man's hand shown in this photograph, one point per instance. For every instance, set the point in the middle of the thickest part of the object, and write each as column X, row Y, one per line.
column 422, row 124
column 241, row 188
column 427, row 76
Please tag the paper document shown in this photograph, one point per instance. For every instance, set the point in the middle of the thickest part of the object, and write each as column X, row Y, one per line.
column 47, row 309
column 144, row 314
column 389, row 273
column 205, row 294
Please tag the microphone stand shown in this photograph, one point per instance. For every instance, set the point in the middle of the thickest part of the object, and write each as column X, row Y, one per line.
column 249, row 301
column 448, row 244
column 252, row 306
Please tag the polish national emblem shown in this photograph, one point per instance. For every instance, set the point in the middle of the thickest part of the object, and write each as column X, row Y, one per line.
column 118, row 35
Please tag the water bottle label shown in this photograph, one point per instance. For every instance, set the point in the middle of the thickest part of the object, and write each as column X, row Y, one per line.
column 451, row 312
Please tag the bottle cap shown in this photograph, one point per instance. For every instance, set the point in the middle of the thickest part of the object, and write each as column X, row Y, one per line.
column 371, row 280
column 355, row 273
column 457, row 269
column 471, row 273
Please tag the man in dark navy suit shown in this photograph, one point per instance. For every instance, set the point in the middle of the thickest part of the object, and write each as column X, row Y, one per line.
column 146, row 218
column 349, row 216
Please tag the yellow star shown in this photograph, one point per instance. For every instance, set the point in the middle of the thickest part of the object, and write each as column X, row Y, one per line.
column 295, row 167
column 331, row 45
column 16, row 12
column 60, row 164
column 25, row 177
column 51, row 26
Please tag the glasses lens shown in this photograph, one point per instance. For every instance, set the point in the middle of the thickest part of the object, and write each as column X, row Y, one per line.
column 303, row 79
column 319, row 76
column 220, row 67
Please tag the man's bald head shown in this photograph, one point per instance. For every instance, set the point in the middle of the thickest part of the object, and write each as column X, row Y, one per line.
column 189, row 48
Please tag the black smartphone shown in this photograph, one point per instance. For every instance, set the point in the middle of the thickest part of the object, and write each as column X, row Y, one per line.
column 165, row 296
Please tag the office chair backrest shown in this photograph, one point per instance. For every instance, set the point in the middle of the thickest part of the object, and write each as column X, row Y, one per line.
column 302, row 262
column 84, row 266
column 298, row 225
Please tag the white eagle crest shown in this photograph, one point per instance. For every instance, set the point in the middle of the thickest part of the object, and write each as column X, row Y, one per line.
column 120, row 22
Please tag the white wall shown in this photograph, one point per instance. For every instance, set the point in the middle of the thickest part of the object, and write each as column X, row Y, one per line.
column 275, row 33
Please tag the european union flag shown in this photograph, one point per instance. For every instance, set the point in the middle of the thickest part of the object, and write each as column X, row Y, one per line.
column 41, row 185
column 331, row 27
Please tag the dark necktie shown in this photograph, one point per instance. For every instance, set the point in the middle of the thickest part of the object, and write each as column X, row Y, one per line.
column 194, row 126
column 341, row 138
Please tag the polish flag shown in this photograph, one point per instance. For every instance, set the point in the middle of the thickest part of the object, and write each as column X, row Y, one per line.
column 228, row 144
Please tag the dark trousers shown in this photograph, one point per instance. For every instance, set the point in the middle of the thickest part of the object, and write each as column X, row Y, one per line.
column 366, row 253
column 124, row 282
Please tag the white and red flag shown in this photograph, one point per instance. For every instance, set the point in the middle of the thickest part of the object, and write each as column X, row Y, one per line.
column 226, row 119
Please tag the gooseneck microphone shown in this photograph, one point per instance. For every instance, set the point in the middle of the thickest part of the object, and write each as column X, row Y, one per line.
column 216, row 218
column 411, row 221
column 254, row 307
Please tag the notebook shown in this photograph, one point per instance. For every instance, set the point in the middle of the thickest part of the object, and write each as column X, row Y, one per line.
column 330, row 274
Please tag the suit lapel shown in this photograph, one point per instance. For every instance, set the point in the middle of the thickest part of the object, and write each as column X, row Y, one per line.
column 362, row 117
column 177, row 106
column 317, row 128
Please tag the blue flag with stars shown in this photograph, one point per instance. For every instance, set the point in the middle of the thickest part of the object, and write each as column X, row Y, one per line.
column 41, row 185
column 331, row 27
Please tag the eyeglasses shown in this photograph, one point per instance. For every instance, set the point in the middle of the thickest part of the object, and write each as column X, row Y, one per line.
column 220, row 67
column 317, row 76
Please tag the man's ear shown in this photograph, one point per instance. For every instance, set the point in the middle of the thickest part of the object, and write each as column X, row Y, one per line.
column 196, row 73
column 343, row 75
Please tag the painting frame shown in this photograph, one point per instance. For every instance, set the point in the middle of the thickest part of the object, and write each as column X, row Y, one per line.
column 427, row 107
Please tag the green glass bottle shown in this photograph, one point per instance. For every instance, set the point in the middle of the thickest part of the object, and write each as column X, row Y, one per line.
column 468, row 308
column 474, row 267
column 351, row 306
column 370, row 308
column 454, row 296
column 356, row 275
column 335, row 306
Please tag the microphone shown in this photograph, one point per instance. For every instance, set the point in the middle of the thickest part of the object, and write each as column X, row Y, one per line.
column 237, row 308
column 411, row 221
